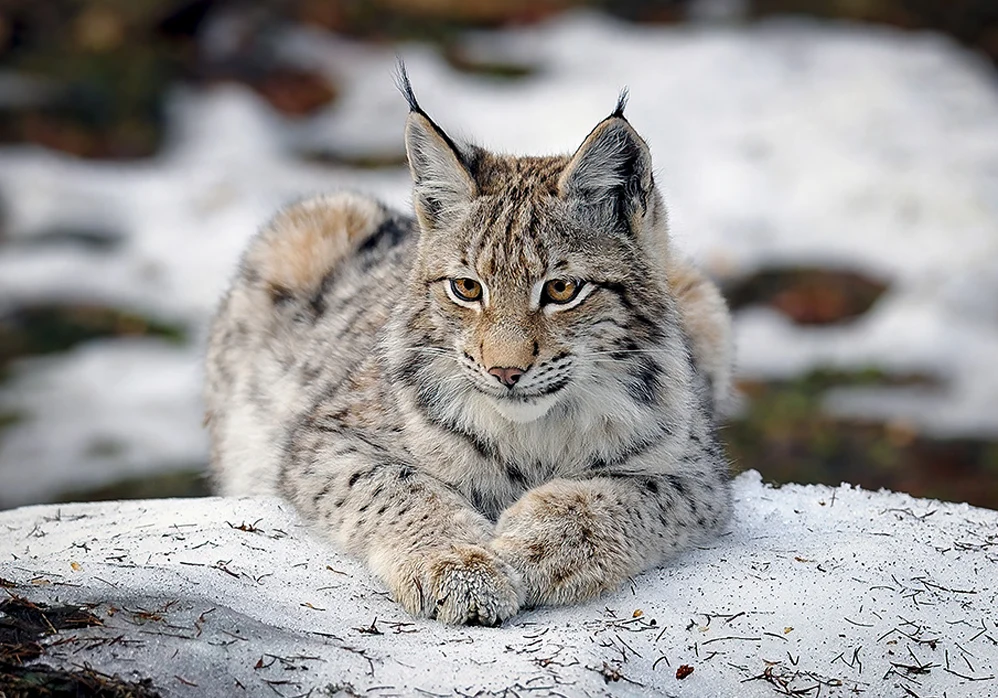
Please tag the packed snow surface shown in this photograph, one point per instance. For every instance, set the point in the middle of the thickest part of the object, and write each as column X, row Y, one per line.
column 829, row 592
column 778, row 143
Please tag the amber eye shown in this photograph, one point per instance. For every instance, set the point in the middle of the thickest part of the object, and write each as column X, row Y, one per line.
column 466, row 289
column 560, row 291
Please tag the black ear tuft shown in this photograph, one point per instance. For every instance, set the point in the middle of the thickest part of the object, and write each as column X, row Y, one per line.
column 405, row 87
column 621, row 104
column 442, row 178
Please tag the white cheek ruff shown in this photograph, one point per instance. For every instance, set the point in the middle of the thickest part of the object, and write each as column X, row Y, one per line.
column 522, row 412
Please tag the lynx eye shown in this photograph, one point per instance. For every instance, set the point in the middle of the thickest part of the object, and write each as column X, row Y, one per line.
column 466, row 289
column 560, row 291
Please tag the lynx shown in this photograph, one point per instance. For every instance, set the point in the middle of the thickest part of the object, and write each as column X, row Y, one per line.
column 506, row 400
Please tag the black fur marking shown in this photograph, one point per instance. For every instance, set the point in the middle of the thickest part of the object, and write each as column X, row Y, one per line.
column 391, row 233
column 322, row 493
column 651, row 486
column 482, row 447
column 653, row 328
column 644, row 386
column 516, row 475
column 280, row 295
column 407, row 373
column 363, row 474
column 317, row 304
column 325, row 426
column 477, row 499
column 376, row 446
column 406, row 472
column 618, row 476
column 605, row 467
column 677, row 485
column 554, row 387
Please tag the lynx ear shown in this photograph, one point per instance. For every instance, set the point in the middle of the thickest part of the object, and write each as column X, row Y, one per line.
column 608, row 182
column 442, row 181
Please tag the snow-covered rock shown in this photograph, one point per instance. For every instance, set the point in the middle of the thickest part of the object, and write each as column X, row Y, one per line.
column 813, row 591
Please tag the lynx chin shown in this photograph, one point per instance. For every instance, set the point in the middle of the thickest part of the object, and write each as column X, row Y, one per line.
column 506, row 400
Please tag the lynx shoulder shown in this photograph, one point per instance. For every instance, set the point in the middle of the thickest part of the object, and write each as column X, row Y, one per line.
column 506, row 399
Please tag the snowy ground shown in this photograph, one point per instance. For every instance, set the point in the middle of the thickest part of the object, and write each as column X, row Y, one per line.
column 776, row 143
column 832, row 592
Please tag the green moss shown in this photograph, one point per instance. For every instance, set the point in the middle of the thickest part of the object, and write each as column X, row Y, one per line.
column 467, row 63
column 49, row 328
column 188, row 482
column 9, row 418
column 786, row 435
column 366, row 161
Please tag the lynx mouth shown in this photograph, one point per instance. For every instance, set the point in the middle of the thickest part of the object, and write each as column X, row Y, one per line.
column 516, row 395
column 521, row 404
column 528, row 406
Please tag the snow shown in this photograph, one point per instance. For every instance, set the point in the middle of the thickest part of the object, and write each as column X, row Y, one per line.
column 852, row 590
column 776, row 143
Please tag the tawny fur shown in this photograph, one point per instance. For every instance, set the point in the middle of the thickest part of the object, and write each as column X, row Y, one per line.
column 303, row 242
column 345, row 374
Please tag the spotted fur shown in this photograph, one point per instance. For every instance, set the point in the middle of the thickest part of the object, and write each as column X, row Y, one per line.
column 344, row 375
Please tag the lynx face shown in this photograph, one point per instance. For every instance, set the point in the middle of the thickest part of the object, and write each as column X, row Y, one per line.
column 542, row 279
column 523, row 297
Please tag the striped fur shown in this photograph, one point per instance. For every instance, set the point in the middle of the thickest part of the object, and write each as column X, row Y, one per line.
column 344, row 374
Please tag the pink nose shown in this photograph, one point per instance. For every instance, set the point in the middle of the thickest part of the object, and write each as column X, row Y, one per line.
column 508, row 376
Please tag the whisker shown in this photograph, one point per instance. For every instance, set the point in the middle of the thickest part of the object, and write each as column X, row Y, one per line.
column 608, row 352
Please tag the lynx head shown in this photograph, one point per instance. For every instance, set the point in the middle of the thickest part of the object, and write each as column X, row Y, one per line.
column 540, row 280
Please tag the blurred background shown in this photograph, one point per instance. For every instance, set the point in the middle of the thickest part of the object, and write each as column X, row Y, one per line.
column 832, row 163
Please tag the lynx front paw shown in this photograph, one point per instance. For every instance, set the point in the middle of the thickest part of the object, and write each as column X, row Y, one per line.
column 562, row 540
column 464, row 584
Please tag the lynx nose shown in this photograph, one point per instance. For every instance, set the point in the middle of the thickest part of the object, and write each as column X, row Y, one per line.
column 507, row 375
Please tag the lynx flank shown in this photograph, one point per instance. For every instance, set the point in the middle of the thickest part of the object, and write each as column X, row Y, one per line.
column 505, row 401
